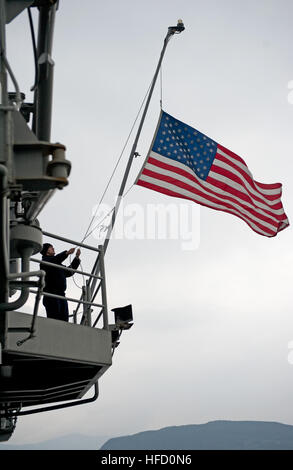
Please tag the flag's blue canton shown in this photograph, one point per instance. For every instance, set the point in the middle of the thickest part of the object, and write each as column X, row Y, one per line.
column 186, row 145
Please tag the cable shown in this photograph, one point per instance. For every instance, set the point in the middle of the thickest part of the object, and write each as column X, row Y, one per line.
column 88, row 231
column 80, row 287
column 147, row 98
column 107, row 215
column 117, row 163
column 99, row 223
column 18, row 98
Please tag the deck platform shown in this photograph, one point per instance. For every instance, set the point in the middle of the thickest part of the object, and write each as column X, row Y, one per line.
column 60, row 363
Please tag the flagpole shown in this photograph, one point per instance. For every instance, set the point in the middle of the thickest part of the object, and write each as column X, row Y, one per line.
column 171, row 31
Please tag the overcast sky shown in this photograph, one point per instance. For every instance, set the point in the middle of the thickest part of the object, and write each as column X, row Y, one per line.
column 212, row 324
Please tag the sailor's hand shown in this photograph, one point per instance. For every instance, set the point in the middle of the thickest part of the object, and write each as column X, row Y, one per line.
column 69, row 252
column 77, row 253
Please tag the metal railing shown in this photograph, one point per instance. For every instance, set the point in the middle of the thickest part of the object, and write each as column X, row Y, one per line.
column 86, row 301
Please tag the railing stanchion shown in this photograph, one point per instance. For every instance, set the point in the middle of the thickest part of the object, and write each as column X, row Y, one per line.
column 89, row 309
column 86, row 308
column 74, row 316
column 103, row 286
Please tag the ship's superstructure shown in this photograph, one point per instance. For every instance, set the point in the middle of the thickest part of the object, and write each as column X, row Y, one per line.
column 45, row 364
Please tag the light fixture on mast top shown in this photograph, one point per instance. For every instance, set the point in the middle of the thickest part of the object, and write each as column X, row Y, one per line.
column 177, row 29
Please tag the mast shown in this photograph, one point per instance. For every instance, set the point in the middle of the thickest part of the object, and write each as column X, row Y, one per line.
column 171, row 31
column 44, row 89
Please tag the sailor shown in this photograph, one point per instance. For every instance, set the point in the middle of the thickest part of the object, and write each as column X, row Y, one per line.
column 55, row 280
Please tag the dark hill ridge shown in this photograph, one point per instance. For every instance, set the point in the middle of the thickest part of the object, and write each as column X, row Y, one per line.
column 224, row 435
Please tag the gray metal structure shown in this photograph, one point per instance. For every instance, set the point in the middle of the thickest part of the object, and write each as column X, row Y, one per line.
column 45, row 364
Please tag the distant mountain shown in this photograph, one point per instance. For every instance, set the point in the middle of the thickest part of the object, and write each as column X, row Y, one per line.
column 215, row 435
column 229, row 435
column 69, row 442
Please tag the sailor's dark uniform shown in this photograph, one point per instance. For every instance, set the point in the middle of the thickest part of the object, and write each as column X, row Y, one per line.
column 55, row 283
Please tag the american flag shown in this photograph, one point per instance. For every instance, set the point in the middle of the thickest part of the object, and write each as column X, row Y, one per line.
column 185, row 163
